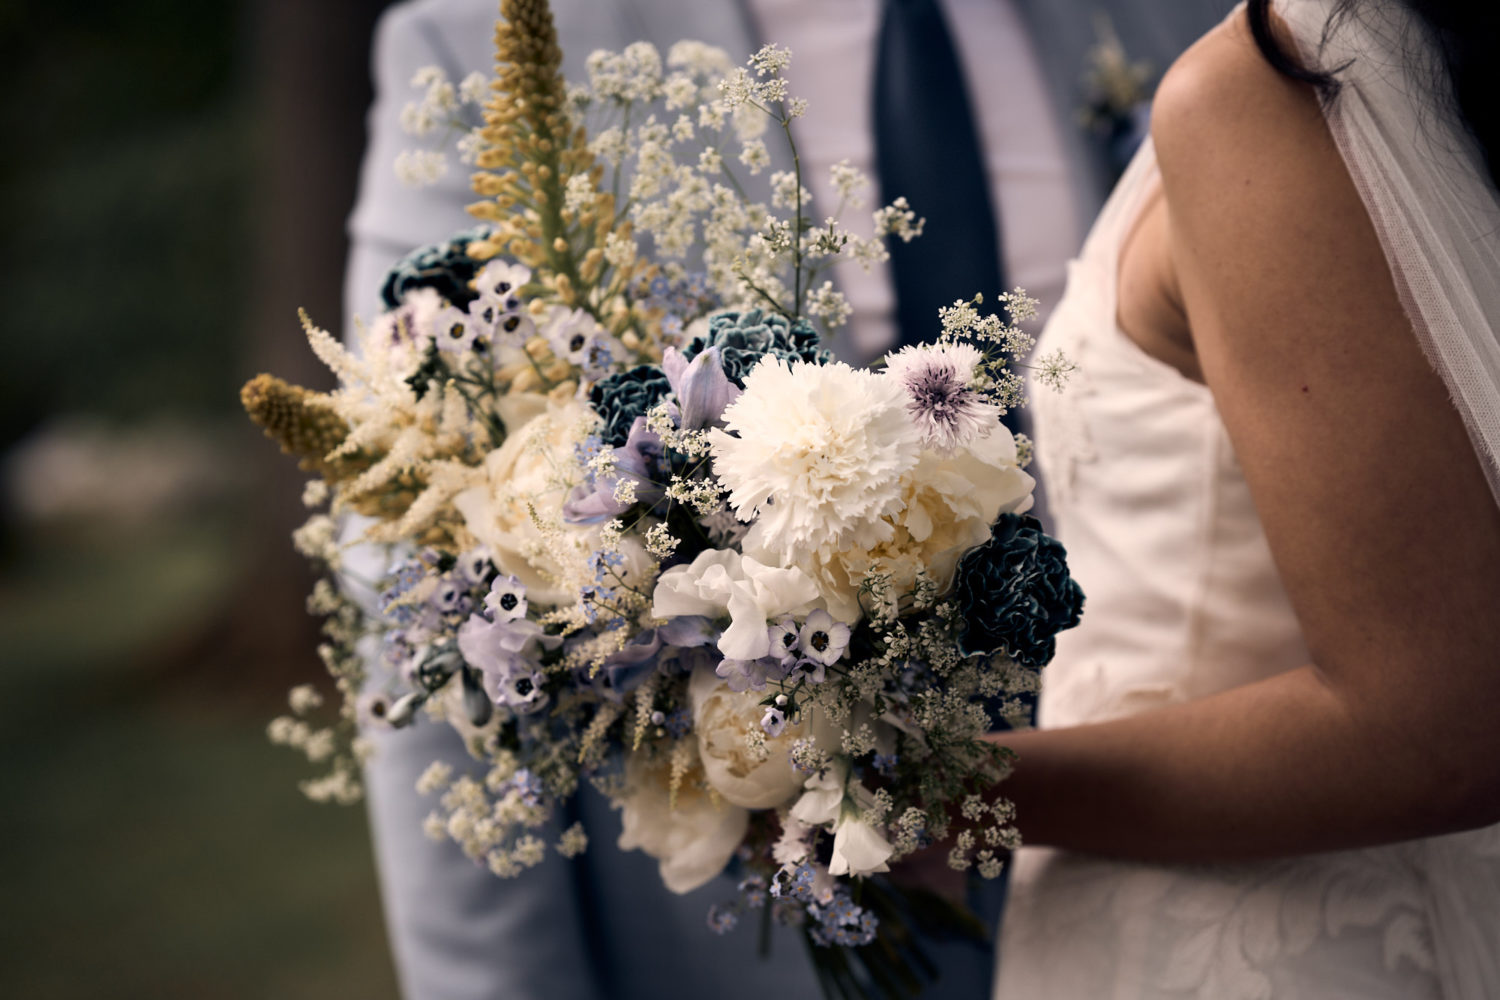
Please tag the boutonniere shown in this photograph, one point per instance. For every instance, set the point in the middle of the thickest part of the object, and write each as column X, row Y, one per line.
column 1117, row 93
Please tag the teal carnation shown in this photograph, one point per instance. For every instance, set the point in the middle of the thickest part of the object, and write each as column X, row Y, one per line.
column 445, row 267
column 623, row 396
column 1015, row 594
column 743, row 338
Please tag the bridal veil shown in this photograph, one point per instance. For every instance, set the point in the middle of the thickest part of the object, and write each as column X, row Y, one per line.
column 1424, row 183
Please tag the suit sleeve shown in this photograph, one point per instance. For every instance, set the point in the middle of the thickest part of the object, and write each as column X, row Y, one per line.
column 457, row 931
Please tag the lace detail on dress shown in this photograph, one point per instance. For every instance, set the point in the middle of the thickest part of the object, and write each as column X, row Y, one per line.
column 1248, row 930
column 1351, row 924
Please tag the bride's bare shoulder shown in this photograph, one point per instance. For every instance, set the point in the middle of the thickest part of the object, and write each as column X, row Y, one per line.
column 1224, row 115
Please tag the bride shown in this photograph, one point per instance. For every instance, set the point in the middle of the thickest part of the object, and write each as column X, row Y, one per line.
column 1276, row 477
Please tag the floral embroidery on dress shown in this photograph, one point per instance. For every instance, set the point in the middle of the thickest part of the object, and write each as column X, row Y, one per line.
column 1231, row 932
column 1246, row 927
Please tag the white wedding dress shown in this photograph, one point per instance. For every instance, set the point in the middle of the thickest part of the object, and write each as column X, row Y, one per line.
column 1183, row 600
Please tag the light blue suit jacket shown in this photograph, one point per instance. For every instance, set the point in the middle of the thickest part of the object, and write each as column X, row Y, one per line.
column 604, row 926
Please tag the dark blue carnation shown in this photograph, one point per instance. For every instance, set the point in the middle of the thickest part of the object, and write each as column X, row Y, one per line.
column 445, row 267
column 623, row 396
column 743, row 338
column 1015, row 593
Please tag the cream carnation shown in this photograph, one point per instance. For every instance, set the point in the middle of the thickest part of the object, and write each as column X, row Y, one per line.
column 816, row 454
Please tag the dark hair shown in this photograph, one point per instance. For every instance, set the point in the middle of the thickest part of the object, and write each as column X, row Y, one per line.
column 1464, row 32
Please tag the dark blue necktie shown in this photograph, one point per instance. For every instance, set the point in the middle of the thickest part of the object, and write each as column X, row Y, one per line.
column 927, row 149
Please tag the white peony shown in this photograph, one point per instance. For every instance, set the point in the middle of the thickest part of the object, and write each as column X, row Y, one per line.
column 721, row 719
column 692, row 840
column 722, row 581
column 815, row 454
column 530, row 468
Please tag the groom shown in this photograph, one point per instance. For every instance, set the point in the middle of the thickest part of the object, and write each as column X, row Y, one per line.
column 1005, row 124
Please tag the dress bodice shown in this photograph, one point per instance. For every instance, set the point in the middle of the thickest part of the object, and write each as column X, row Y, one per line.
column 1183, row 600
column 1183, row 597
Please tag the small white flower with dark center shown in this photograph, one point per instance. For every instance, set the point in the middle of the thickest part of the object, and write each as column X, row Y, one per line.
column 514, row 328
column 452, row 594
column 938, row 380
column 484, row 314
column 454, row 331
column 823, row 639
column 784, row 636
column 522, row 693
column 475, row 565
column 500, row 282
column 506, row 600
column 810, row 670
column 773, row 722
column 572, row 334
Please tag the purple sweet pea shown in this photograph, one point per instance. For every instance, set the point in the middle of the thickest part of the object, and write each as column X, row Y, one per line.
column 503, row 651
column 701, row 387
column 747, row 675
column 629, row 665
column 594, row 501
column 688, row 630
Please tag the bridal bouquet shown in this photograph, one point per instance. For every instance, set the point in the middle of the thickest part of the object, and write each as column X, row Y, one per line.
column 642, row 530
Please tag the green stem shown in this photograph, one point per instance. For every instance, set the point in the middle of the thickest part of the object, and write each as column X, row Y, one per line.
column 786, row 126
column 765, row 931
column 496, row 428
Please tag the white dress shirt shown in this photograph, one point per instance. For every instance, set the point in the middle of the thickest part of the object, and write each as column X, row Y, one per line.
column 833, row 62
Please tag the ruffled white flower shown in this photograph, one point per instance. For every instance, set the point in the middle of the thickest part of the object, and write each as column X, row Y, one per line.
column 938, row 380
column 751, row 592
column 721, row 718
column 815, row 454
column 692, row 840
column 858, row 848
column 829, row 799
column 823, row 798
column 792, row 847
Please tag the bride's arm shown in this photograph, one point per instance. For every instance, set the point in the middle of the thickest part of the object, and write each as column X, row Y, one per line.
column 1378, row 514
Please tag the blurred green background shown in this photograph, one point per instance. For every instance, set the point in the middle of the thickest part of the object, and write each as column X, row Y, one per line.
column 173, row 184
